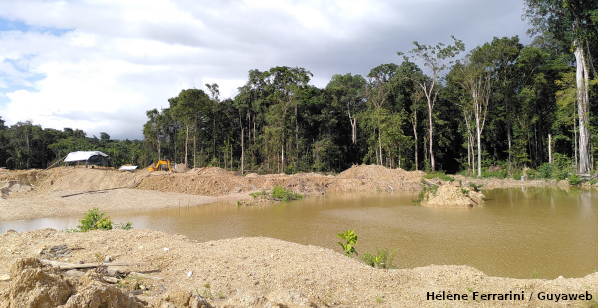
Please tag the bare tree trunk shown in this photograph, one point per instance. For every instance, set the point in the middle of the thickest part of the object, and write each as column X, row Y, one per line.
column 243, row 148
column 414, row 125
column 282, row 156
column 582, row 78
column 353, row 121
column 509, row 139
column 380, row 146
column 186, row 144
column 479, row 135
column 550, row 148
column 431, row 133
column 296, row 137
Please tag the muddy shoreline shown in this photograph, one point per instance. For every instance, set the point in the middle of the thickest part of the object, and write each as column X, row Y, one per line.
column 249, row 272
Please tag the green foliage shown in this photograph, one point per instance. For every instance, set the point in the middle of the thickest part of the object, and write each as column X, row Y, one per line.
column 574, row 179
column 544, row 171
column 475, row 186
column 94, row 220
column 531, row 174
column 350, row 242
column 439, row 174
column 280, row 193
column 425, row 193
column 382, row 259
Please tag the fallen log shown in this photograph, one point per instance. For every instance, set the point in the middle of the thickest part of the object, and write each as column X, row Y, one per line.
column 4, row 277
column 66, row 266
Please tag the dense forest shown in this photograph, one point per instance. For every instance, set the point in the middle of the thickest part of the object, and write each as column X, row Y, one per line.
column 501, row 105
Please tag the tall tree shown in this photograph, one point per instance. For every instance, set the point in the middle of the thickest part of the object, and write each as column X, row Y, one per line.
column 573, row 22
column 436, row 59
column 475, row 74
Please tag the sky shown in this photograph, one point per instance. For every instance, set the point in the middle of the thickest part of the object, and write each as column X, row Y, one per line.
column 99, row 65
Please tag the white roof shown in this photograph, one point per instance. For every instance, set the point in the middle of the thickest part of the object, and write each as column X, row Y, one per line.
column 127, row 168
column 82, row 155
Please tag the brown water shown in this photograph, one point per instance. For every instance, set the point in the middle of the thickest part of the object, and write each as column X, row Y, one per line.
column 519, row 233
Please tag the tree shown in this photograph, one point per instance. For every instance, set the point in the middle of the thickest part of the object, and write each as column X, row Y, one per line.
column 474, row 74
column 349, row 92
column 186, row 108
column 436, row 59
column 573, row 22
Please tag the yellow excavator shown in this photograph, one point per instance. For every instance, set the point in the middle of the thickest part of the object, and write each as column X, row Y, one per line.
column 162, row 165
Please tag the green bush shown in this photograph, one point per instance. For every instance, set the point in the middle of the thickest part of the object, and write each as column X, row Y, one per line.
column 475, row 186
column 499, row 172
column 350, row 242
column 439, row 174
column 383, row 259
column 517, row 175
column 545, row 171
column 94, row 220
column 531, row 174
column 280, row 193
column 574, row 179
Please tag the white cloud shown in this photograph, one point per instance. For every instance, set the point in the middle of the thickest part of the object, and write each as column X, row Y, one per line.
column 121, row 58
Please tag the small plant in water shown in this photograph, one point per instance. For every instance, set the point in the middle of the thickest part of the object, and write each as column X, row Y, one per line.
column 351, row 241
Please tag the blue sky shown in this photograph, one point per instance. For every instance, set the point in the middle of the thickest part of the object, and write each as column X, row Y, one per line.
column 98, row 65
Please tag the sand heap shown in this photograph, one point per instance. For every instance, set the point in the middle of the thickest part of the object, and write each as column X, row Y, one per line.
column 450, row 196
column 35, row 286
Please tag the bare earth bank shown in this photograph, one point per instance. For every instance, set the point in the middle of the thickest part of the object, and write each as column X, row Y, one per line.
column 261, row 272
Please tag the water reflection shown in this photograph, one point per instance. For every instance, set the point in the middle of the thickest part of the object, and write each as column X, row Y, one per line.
column 517, row 233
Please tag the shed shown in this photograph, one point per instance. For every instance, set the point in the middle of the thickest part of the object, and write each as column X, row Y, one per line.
column 89, row 157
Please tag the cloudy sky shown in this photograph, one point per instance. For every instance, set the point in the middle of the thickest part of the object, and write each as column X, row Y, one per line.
column 99, row 65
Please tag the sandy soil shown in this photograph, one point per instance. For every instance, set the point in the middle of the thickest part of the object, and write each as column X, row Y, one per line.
column 245, row 272
column 262, row 272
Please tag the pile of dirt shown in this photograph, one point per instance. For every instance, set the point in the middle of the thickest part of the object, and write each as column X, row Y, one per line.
column 450, row 196
column 210, row 171
column 260, row 272
column 369, row 172
column 36, row 286
column 86, row 179
column 26, row 177
column 7, row 188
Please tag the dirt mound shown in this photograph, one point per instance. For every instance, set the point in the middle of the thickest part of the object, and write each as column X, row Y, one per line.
column 27, row 177
column 7, row 188
column 86, row 179
column 449, row 196
column 374, row 172
column 35, row 286
column 210, row 171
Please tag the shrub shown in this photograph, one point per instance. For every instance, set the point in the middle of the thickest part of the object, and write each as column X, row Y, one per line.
column 94, row 220
column 531, row 174
column 350, row 242
column 422, row 194
column 383, row 259
column 574, row 179
column 475, row 186
column 280, row 193
column 439, row 174
column 545, row 171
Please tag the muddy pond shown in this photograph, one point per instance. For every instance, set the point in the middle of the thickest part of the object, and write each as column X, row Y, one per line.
column 518, row 233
